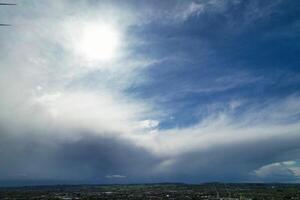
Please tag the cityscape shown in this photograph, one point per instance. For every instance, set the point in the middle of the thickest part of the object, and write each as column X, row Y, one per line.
column 168, row 191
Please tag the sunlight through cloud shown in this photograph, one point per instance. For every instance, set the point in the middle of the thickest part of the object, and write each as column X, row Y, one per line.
column 98, row 42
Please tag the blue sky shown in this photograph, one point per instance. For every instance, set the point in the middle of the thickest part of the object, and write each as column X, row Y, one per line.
column 150, row 91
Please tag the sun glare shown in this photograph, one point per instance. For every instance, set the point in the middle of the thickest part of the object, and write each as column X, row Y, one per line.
column 98, row 42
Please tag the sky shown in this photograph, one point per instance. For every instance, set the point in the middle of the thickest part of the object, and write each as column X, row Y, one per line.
column 139, row 91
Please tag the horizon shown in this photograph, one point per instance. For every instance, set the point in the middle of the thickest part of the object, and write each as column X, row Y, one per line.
column 121, row 91
column 20, row 185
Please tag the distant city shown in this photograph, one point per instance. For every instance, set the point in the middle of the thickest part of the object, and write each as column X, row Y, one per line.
column 209, row 191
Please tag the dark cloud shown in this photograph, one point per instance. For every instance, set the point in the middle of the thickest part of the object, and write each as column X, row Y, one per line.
column 90, row 158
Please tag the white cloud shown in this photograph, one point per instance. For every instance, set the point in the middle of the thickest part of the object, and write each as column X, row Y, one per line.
column 296, row 171
column 193, row 9
column 278, row 171
column 270, row 169
column 290, row 162
column 96, row 111
column 149, row 124
column 116, row 176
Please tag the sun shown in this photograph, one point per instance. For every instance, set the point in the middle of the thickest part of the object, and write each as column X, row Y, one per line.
column 98, row 42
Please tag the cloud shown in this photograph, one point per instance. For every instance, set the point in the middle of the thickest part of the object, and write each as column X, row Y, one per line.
column 220, row 141
column 276, row 172
column 193, row 9
column 115, row 176
column 149, row 124
column 66, row 119
column 58, row 156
